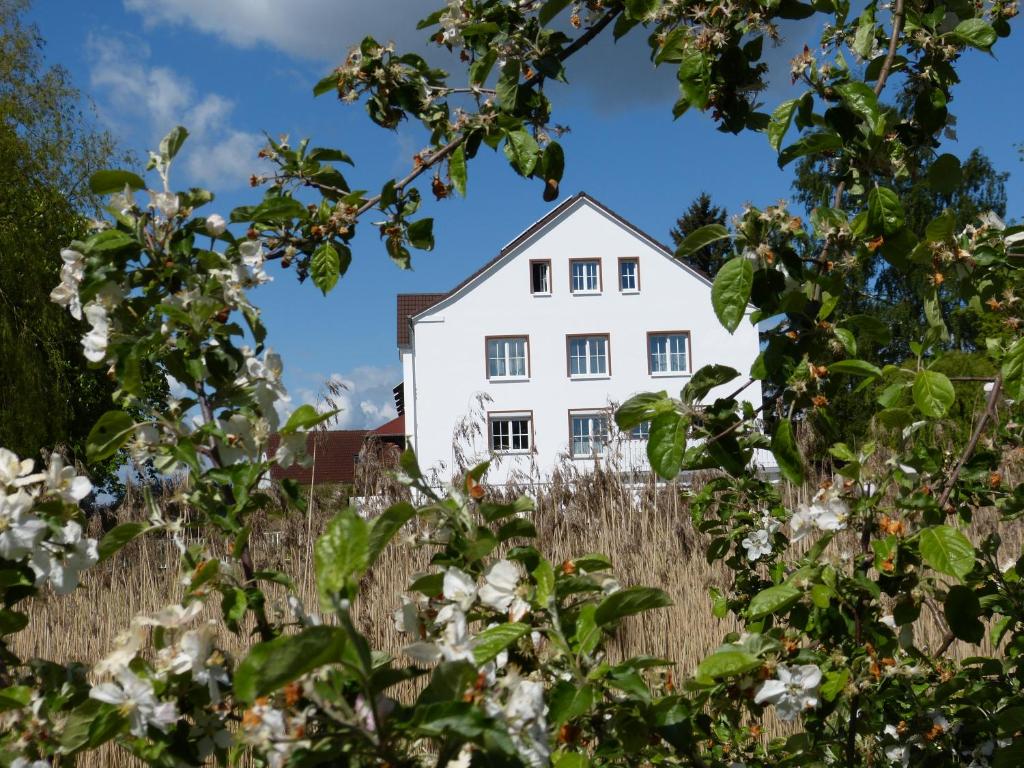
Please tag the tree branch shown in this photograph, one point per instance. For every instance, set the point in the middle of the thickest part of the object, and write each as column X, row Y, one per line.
column 990, row 412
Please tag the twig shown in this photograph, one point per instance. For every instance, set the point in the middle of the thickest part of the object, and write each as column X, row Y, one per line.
column 990, row 412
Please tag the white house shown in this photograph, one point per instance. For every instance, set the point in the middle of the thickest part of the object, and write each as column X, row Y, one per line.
column 526, row 357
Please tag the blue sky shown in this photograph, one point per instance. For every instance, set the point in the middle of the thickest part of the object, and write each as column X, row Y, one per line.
column 231, row 69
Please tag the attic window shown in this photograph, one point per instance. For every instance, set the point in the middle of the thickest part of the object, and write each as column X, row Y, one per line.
column 586, row 275
column 540, row 278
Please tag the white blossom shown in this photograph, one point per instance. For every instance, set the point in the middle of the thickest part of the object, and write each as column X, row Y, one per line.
column 292, row 449
column 134, row 697
column 20, row 531
column 459, row 587
column 758, row 544
column 62, row 558
column 65, row 482
column 827, row 512
column 123, row 201
column 21, row 762
column 95, row 341
column 794, row 690
column 215, row 225
column 897, row 752
column 166, row 203
column 501, row 590
column 525, row 716
column 198, row 656
column 13, row 469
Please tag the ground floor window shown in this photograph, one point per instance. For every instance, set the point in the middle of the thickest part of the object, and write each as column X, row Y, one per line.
column 511, row 432
column 588, row 433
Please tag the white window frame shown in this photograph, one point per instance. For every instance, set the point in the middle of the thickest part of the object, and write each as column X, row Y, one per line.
column 641, row 431
column 670, row 357
column 589, row 355
column 505, row 343
column 635, row 264
column 509, row 419
column 547, row 277
column 587, row 420
column 586, row 277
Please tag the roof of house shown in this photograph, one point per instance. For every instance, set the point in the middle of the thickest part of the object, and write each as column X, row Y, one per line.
column 394, row 427
column 412, row 304
column 334, row 455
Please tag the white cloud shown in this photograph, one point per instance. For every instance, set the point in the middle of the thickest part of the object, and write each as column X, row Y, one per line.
column 311, row 29
column 363, row 395
column 132, row 91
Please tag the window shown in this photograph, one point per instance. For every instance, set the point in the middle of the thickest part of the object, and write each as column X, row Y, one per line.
column 507, row 357
column 588, row 356
column 588, row 433
column 668, row 352
column 586, row 275
column 641, row 431
column 629, row 275
column 540, row 278
column 511, row 432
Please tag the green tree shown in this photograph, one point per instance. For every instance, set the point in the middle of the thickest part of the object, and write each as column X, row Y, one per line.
column 702, row 211
column 48, row 149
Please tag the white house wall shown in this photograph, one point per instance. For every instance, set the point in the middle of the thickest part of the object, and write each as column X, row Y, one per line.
column 446, row 371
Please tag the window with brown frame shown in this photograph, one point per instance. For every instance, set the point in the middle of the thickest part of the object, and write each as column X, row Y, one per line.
column 588, row 356
column 508, row 357
column 585, row 276
column 629, row 275
column 588, row 432
column 668, row 353
column 510, row 431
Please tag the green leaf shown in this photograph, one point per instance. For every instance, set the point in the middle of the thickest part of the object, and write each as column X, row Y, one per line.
column 727, row 661
column 107, row 182
column 666, row 443
column 521, row 150
column 885, row 214
column 641, row 408
column 864, row 38
column 544, row 577
column 457, row 169
column 941, row 228
column 117, row 537
column 933, row 393
column 272, row 664
column 341, row 553
column 701, row 237
column 787, row 454
column 108, row 435
column 705, row 379
column 567, row 701
column 12, row 621
column 326, row 84
column 641, row 9
column 834, row 683
column 496, row 639
column 731, row 291
column 975, row 32
column 962, row 610
column 947, row 550
column 855, row 368
column 385, row 526
column 304, row 417
column 779, row 123
column 421, row 234
column 811, row 144
column 861, row 100
column 627, row 602
column 325, row 267
column 550, row 9
column 171, row 143
column 945, row 174
column 1013, row 371
column 773, row 600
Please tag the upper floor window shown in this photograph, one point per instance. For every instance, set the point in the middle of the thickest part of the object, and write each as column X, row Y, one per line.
column 511, row 432
column 588, row 433
column 629, row 275
column 540, row 278
column 668, row 352
column 507, row 357
column 588, row 356
column 586, row 275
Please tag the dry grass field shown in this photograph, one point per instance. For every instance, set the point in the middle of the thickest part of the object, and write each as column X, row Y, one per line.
column 646, row 531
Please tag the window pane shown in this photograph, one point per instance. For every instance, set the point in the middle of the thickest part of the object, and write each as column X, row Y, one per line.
column 540, row 278
column 598, row 355
column 517, row 357
column 577, row 356
column 580, row 435
column 641, row 431
column 499, row 435
column 577, row 276
column 591, row 275
column 677, row 350
column 627, row 275
column 659, row 354
column 495, row 357
column 520, row 434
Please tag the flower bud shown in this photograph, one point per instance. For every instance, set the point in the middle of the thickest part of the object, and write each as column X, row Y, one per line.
column 215, row 225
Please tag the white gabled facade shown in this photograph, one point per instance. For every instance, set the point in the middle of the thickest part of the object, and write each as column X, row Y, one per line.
column 533, row 373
